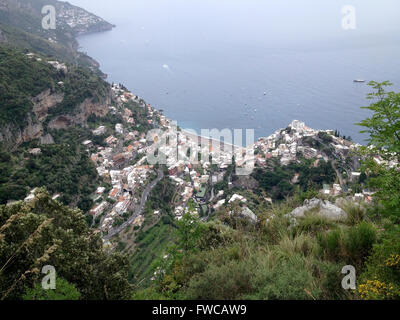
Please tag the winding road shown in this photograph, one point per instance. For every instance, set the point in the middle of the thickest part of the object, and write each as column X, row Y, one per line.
column 139, row 209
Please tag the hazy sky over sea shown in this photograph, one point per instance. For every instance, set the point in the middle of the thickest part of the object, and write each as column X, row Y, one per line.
column 209, row 63
column 250, row 20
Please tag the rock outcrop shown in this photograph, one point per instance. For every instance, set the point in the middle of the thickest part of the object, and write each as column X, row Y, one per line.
column 13, row 136
column 84, row 110
column 47, row 139
column 247, row 214
column 322, row 208
column 44, row 101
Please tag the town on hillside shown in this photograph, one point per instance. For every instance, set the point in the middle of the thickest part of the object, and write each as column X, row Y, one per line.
column 122, row 160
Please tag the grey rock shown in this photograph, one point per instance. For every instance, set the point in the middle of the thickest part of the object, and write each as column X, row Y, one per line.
column 247, row 213
column 323, row 208
column 47, row 139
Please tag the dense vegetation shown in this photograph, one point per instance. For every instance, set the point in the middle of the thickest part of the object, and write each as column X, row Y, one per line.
column 63, row 168
column 44, row 232
column 21, row 79
column 21, row 23
column 278, row 182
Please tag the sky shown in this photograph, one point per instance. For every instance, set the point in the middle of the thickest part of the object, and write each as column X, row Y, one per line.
column 251, row 21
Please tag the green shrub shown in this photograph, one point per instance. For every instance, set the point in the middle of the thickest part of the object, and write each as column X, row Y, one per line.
column 288, row 279
column 381, row 280
column 356, row 213
column 330, row 243
column 313, row 224
column 359, row 241
column 299, row 244
column 63, row 291
column 352, row 245
column 226, row 282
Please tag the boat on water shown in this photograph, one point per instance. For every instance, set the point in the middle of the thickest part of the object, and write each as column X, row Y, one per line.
column 359, row 81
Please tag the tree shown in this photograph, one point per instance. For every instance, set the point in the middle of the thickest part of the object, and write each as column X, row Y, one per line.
column 384, row 130
column 190, row 231
column 44, row 232
column 384, row 125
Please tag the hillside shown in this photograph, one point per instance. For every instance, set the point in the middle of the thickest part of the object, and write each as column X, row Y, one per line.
column 21, row 27
column 47, row 93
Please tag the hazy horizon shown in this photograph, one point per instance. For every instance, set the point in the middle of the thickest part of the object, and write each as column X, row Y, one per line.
column 209, row 63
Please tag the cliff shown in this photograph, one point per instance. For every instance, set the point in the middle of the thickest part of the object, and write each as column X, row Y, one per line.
column 59, row 97
column 21, row 25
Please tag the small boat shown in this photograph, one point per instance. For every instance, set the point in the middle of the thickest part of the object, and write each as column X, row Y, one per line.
column 359, row 81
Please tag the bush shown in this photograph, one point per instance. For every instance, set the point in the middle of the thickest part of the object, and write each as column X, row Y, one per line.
column 352, row 245
column 381, row 280
column 63, row 291
column 331, row 244
column 288, row 279
column 226, row 282
column 359, row 241
column 355, row 213
column 313, row 224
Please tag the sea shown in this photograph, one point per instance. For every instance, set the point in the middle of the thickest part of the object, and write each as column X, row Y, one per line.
column 250, row 64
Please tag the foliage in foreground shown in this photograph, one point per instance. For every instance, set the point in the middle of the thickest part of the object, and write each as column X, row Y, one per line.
column 44, row 232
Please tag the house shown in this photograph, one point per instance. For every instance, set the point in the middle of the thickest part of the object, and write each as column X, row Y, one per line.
column 115, row 193
column 237, row 197
column 56, row 196
column 138, row 221
column 87, row 143
column 355, row 175
column 111, row 140
column 99, row 131
column 204, row 178
column 31, row 195
column 119, row 159
column 58, row 65
column 122, row 207
column 358, row 197
column 219, row 204
column 35, row 151
column 100, row 190
column 326, row 189
column 337, row 189
column 99, row 209
column 119, row 128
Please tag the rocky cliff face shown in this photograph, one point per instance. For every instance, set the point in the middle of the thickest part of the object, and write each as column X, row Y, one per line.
column 44, row 101
column 85, row 109
column 13, row 135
